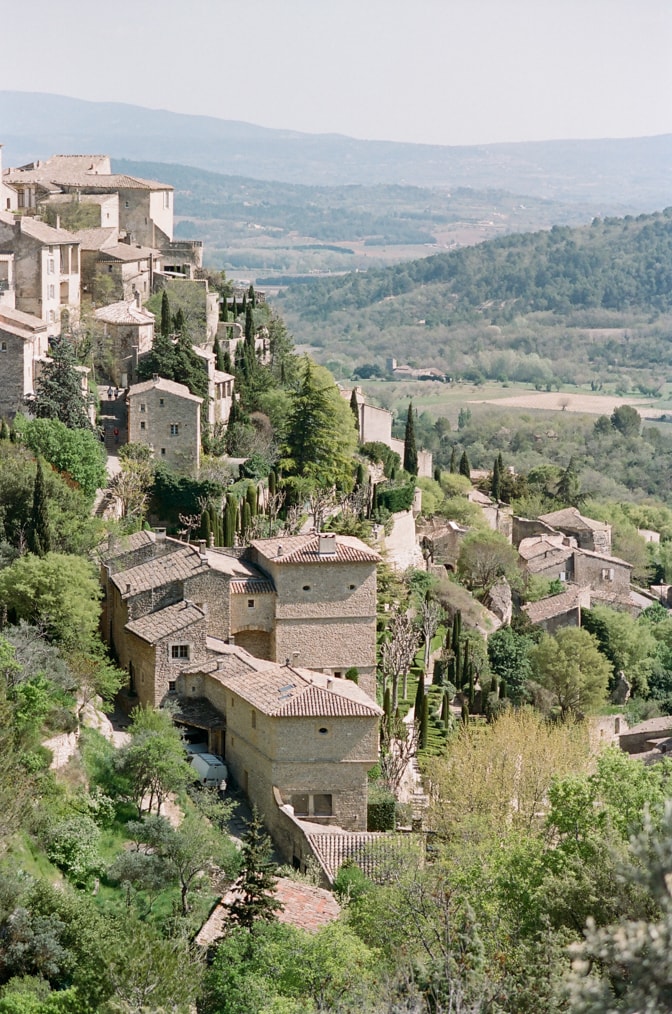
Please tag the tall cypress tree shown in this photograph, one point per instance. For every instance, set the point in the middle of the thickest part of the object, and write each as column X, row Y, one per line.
column 39, row 538
column 496, row 487
column 249, row 325
column 166, row 319
column 453, row 460
column 465, row 467
column 410, row 449
column 354, row 405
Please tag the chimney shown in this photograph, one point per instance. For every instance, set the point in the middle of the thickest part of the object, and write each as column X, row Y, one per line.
column 231, row 639
column 329, row 682
column 159, row 535
column 128, row 589
column 201, row 549
column 279, row 551
column 155, row 378
column 326, row 544
column 138, row 302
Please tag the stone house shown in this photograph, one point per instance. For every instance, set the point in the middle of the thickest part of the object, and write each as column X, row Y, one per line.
column 441, row 541
column 375, row 425
column 166, row 417
column 46, row 268
column 23, row 343
column 648, row 740
column 309, row 600
column 558, row 611
column 128, row 331
column 548, row 556
column 127, row 270
column 292, row 738
column 589, row 534
column 220, row 388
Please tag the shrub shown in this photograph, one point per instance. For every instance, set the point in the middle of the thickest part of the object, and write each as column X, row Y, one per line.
column 381, row 809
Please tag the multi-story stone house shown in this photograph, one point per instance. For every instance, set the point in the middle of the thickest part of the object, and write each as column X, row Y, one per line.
column 309, row 600
column 23, row 346
column 46, row 269
column 127, row 332
column 166, row 417
column 375, row 425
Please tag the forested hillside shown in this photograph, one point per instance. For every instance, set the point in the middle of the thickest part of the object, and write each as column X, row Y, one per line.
column 547, row 295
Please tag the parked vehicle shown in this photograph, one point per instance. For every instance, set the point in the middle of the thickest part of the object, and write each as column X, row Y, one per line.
column 210, row 770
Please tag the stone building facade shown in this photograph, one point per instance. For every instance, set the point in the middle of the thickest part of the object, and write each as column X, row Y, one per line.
column 166, row 417
column 127, row 332
column 23, row 343
column 308, row 600
column 46, row 269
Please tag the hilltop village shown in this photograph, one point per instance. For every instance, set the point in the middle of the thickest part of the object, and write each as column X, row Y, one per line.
column 296, row 590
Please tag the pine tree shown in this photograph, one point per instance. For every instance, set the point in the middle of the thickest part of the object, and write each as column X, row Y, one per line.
column 58, row 389
column 496, row 487
column 166, row 320
column 39, row 538
column 254, row 888
column 465, row 467
column 410, row 449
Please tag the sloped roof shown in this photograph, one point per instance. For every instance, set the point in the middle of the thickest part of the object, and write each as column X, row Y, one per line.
column 553, row 605
column 652, row 725
column 305, row 549
column 161, row 384
column 570, row 517
column 369, row 850
column 283, row 691
column 153, row 627
column 159, row 571
column 252, row 586
column 119, row 546
column 19, row 323
column 97, row 239
column 44, row 233
column 604, row 556
column 124, row 312
column 125, row 252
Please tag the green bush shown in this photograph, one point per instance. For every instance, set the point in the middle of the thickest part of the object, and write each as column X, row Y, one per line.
column 381, row 809
column 395, row 498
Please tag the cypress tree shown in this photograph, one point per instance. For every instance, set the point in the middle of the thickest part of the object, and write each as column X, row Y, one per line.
column 219, row 357
column 464, row 717
column 424, row 724
column 252, row 296
column 361, row 475
column 206, row 526
column 227, row 365
column 166, row 321
column 387, row 703
column 465, row 467
column 234, row 308
column 419, row 697
column 453, row 460
column 496, row 487
column 272, row 483
column 245, row 518
column 39, row 538
column 437, row 474
column 410, row 449
column 179, row 322
column 354, row 405
column 251, row 497
column 4, row 430
column 249, row 325
column 502, row 690
column 445, row 708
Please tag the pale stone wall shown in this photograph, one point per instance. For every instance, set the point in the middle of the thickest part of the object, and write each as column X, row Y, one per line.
column 601, row 573
column 425, row 459
column 259, row 616
column 16, row 371
column 152, row 427
column 153, row 666
column 210, row 590
column 375, row 424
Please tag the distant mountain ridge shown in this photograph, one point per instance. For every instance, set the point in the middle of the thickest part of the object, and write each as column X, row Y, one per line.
column 637, row 172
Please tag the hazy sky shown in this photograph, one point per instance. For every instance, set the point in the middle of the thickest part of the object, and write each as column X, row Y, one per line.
column 435, row 71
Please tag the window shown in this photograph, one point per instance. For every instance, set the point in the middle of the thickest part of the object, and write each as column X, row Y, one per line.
column 318, row 804
column 126, row 204
column 143, row 407
column 52, row 266
column 351, row 587
column 174, row 429
column 323, row 731
column 607, row 573
column 250, row 603
column 306, row 587
column 161, row 401
column 3, row 346
column 562, row 576
column 52, row 292
column 143, row 425
column 232, row 701
column 179, row 651
column 171, row 686
column 163, row 452
column 52, row 317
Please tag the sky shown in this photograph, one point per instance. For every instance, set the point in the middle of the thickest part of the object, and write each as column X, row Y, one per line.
column 450, row 72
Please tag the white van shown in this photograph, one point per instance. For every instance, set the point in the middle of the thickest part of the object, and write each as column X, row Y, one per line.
column 210, row 770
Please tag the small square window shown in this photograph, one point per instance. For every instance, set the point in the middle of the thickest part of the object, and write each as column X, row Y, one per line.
column 250, row 603
column 3, row 346
column 143, row 407
column 143, row 425
column 163, row 452
column 160, row 401
column 171, row 686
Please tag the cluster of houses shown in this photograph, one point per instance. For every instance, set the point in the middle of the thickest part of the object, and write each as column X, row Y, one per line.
column 77, row 239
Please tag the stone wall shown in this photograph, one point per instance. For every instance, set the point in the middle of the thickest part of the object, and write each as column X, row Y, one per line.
column 169, row 423
column 601, row 572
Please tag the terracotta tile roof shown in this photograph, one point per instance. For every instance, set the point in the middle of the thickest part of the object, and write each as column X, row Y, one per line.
column 371, row 851
column 554, row 605
column 252, row 586
column 125, row 544
column 161, row 384
column 45, row 233
column 125, row 312
column 97, row 239
column 539, row 545
column 162, row 570
column 125, row 252
column 283, row 691
column 570, row 517
column 305, row 549
column 153, row 627
column 605, row 557
column 305, row 906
